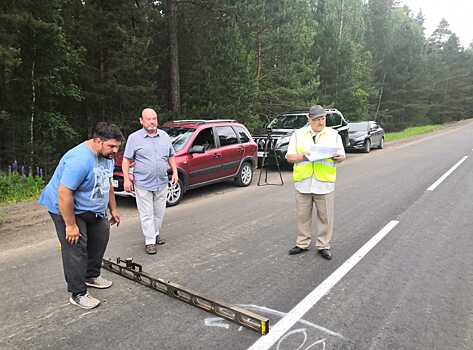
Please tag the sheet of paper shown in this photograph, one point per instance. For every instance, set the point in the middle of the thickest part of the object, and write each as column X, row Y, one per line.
column 321, row 152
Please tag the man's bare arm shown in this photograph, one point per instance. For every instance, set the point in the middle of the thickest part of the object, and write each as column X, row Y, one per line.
column 112, row 206
column 172, row 163
column 127, row 184
column 66, row 207
column 296, row 158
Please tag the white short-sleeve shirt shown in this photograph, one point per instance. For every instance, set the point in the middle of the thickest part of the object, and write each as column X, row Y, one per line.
column 312, row 185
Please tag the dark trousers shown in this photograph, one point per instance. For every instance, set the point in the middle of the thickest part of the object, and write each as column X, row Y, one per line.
column 84, row 259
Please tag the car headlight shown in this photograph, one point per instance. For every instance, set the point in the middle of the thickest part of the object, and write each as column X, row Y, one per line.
column 359, row 138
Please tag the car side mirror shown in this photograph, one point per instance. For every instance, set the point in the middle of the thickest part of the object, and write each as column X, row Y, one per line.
column 197, row 149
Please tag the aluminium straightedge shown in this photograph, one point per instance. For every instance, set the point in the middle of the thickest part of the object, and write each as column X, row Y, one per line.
column 133, row 271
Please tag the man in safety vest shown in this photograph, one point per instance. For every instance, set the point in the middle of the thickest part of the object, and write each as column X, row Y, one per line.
column 315, row 180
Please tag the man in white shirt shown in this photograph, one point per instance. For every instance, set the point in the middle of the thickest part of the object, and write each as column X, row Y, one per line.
column 314, row 181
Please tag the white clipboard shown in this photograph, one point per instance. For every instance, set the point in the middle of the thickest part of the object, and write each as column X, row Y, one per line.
column 321, row 152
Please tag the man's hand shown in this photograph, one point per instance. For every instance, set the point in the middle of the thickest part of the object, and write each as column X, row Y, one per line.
column 339, row 158
column 127, row 184
column 72, row 234
column 174, row 178
column 115, row 218
column 296, row 158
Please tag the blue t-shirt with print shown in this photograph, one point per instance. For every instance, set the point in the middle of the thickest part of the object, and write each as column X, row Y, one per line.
column 84, row 173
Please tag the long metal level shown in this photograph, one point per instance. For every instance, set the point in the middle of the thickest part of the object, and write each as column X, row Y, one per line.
column 133, row 271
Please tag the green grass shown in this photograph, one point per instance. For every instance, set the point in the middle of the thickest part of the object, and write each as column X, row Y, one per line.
column 409, row 132
column 16, row 188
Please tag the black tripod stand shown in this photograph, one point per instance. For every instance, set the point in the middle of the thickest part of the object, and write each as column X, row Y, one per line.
column 269, row 150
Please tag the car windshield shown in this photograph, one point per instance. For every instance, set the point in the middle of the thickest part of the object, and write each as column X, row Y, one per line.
column 288, row 122
column 179, row 136
column 358, row 126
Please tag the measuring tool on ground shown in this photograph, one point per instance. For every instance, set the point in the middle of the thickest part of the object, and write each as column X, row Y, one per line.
column 133, row 271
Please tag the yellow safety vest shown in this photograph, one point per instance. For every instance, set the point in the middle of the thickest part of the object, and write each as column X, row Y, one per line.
column 323, row 170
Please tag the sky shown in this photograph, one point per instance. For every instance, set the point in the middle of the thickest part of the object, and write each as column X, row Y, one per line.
column 458, row 14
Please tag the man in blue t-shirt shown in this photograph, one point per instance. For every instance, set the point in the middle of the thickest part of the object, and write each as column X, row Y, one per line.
column 77, row 197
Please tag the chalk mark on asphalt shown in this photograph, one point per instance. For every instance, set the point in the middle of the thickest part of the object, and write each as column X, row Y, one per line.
column 318, row 344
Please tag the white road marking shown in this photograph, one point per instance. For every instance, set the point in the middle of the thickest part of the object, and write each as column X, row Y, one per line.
column 285, row 324
column 444, row 176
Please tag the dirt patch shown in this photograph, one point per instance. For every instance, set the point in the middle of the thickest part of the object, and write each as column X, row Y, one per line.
column 23, row 224
column 24, row 214
column 27, row 223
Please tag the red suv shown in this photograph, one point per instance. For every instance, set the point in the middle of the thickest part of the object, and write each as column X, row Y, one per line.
column 207, row 151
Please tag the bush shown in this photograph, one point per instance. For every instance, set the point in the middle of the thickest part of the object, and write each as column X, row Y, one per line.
column 15, row 188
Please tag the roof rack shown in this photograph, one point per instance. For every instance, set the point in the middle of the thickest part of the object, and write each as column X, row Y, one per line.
column 187, row 121
column 221, row 120
column 329, row 109
column 202, row 121
column 297, row 111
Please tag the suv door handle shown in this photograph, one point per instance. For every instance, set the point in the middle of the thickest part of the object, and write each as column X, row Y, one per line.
column 241, row 149
column 217, row 155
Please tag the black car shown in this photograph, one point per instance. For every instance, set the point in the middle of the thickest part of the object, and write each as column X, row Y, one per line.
column 281, row 128
column 365, row 135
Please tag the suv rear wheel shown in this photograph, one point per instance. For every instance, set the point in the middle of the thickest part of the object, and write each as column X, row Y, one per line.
column 245, row 175
column 175, row 193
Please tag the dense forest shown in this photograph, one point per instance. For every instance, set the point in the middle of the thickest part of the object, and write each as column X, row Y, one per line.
column 66, row 64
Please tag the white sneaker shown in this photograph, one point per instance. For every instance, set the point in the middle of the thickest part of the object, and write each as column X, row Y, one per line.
column 98, row 282
column 84, row 301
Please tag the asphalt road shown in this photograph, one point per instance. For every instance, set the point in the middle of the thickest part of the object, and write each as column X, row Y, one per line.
column 410, row 291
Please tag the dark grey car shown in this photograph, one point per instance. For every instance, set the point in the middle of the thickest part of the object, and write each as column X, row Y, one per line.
column 365, row 135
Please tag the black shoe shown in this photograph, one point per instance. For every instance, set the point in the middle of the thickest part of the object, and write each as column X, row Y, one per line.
column 326, row 254
column 160, row 241
column 297, row 250
column 150, row 249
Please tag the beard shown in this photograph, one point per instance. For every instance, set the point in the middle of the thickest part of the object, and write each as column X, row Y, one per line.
column 151, row 129
column 108, row 155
